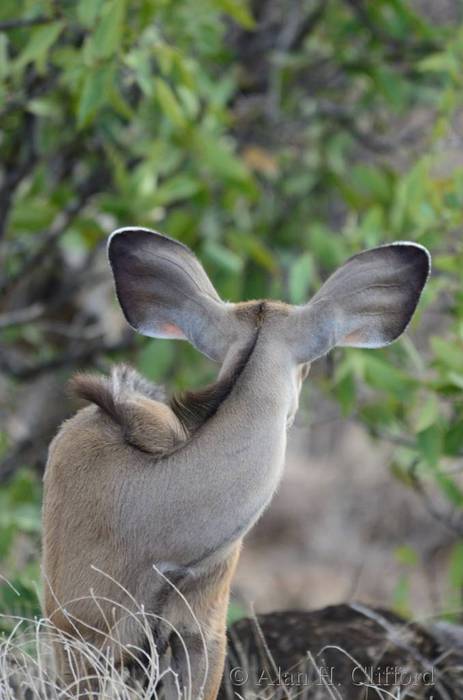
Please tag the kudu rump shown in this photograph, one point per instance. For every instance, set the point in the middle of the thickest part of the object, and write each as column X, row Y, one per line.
column 139, row 491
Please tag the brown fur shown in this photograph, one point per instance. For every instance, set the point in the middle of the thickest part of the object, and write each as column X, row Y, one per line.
column 193, row 408
column 133, row 404
column 102, row 437
column 204, row 467
column 211, row 594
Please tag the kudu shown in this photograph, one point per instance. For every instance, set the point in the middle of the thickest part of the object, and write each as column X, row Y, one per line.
column 133, row 481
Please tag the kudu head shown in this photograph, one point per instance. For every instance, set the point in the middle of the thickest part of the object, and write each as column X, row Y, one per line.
column 165, row 293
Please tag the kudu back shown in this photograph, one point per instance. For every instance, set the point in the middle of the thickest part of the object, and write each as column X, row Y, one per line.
column 147, row 500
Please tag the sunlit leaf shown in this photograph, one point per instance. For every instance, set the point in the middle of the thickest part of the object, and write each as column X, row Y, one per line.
column 224, row 258
column 4, row 58
column 41, row 40
column 299, row 280
column 406, row 555
column 108, row 34
column 239, row 11
column 169, row 103
column 155, row 359
column 88, row 11
column 94, row 93
column 430, row 444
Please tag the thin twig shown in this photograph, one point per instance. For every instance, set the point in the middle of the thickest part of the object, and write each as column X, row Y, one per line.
column 445, row 519
column 16, row 174
column 92, row 332
column 81, row 355
column 25, row 22
column 20, row 316
column 57, row 229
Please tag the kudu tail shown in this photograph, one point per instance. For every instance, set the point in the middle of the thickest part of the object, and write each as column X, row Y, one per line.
column 135, row 405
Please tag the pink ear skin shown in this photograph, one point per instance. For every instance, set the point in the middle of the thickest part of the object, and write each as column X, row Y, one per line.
column 172, row 331
column 354, row 338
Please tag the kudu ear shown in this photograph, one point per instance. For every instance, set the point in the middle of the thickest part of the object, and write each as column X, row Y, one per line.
column 368, row 302
column 164, row 291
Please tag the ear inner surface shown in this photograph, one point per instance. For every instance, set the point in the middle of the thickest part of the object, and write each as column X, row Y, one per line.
column 164, row 291
column 368, row 302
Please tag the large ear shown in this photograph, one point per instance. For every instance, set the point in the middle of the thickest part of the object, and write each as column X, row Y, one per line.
column 165, row 293
column 367, row 303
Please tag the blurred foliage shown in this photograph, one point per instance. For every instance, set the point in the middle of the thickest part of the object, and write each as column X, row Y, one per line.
column 19, row 544
column 275, row 146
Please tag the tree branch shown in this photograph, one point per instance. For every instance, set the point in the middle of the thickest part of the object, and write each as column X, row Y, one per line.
column 19, row 316
column 14, row 176
column 59, row 226
column 399, row 46
column 347, row 120
column 308, row 25
column 80, row 355
column 447, row 519
column 26, row 22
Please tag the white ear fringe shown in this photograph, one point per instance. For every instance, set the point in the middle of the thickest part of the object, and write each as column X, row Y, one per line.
column 126, row 229
column 416, row 245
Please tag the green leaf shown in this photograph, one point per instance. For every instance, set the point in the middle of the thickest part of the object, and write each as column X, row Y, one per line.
column 456, row 568
column 94, row 93
column 216, row 155
column 391, row 85
column 455, row 378
column 300, row 275
column 235, row 612
column 20, row 598
column 107, row 38
column 4, row 59
column 238, row 10
column 406, row 555
column 450, row 489
column 7, row 537
column 42, row 39
column 345, row 391
column 4, row 443
column 453, row 439
column 169, row 103
column 371, row 184
column 176, row 189
column 32, row 215
column 401, row 596
column 255, row 248
column 88, row 11
column 43, row 107
column 401, row 472
column 154, row 360
column 430, row 443
column 139, row 61
column 23, row 489
column 427, row 414
column 444, row 62
column 382, row 375
column 449, row 353
column 325, row 246
column 189, row 101
column 223, row 257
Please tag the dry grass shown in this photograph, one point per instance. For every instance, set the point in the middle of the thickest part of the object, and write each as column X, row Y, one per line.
column 27, row 667
column 27, row 670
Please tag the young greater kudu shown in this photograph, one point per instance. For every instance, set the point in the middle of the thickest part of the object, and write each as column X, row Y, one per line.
column 133, row 481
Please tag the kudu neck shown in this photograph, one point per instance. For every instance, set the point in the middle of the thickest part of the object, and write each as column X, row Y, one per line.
column 259, row 372
column 253, row 377
column 237, row 452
